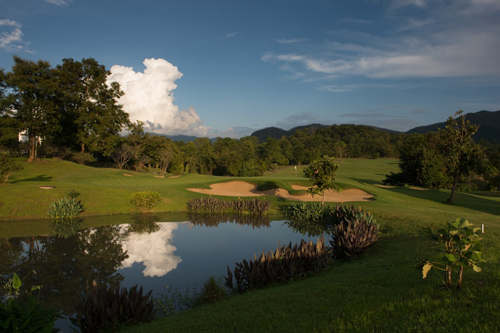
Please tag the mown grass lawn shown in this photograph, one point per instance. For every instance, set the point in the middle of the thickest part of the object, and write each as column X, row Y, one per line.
column 382, row 291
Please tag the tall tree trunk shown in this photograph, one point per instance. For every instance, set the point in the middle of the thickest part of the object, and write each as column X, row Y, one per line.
column 448, row 273
column 32, row 149
column 459, row 284
column 453, row 188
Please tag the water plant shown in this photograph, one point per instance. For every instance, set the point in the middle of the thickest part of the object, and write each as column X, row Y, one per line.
column 174, row 300
column 108, row 308
column 17, row 315
column 281, row 265
column 353, row 236
column 461, row 247
column 214, row 205
column 66, row 208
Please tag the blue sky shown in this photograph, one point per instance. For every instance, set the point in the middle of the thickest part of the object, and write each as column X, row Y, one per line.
column 229, row 67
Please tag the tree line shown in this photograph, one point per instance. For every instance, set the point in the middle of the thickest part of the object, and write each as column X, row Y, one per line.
column 448, row 158
column 70, row 112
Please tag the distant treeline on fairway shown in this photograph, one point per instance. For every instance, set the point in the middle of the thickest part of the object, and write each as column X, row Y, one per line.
column 70, row 112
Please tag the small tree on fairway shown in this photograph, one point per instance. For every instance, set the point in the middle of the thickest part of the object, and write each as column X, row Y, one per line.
column 321, row 174
column 8, row 165
column 459, row 151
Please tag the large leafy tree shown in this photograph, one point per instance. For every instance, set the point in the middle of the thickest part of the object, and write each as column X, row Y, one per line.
column 93, row 118
column 321, row 174
column 9, row 128
column 32, row 99
column 460, row 153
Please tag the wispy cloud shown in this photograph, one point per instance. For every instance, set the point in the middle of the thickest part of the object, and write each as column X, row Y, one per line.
column 430, row 46
column 59, row 2
column 382, row 118
column 230, row 35
column 301, row 119
column 291, row 40
column 11, row 39
column 354, row 20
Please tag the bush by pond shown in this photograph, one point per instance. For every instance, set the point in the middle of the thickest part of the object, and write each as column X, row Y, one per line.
column 282, row 265
column 213, row 205
column 107, row 308
column 64, row 209
column 145, row 200
column 351, row 229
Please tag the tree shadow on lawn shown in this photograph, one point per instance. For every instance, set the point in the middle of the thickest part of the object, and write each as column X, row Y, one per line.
column 39, row 178
column 472, row 201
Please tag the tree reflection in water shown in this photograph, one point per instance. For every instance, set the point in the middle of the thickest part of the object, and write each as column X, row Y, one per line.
column 144, row 223
column 214, row 219
column 66, row 266
column 65, row 228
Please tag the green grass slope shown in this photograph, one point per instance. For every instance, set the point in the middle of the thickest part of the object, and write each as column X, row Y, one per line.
column 383, row 291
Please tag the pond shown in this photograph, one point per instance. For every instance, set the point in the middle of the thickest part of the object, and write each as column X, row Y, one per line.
column 146, row 252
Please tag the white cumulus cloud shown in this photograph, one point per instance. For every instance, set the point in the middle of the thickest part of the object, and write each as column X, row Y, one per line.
column 149, row 97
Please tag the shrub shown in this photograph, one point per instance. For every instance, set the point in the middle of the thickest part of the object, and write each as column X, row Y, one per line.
column 19, row 316
column 284, row 264
column 462, row 249
column 73, row 194
column 352, row 230
column 16, row 316
column 212, row 291
column 345, row 213
column 214, row 205
column 107, row 308
column 82, row 158
column 312, row 211
column 8, row 165
column 66, row 208
column 352, row 237
column 145, row 200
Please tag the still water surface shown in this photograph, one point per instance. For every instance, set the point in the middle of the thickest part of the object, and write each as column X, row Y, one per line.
column 148, row 252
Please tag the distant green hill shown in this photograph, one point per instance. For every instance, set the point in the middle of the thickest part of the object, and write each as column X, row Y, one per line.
column 488, row 121
column 278, row 133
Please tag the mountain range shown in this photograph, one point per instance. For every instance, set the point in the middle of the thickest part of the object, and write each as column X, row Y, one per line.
column 488, row 121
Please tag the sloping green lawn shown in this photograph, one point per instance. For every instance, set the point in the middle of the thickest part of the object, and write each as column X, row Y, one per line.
column 382, row 291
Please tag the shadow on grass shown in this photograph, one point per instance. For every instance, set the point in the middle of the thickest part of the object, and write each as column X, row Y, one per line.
column 39, row 178
column 474, row 201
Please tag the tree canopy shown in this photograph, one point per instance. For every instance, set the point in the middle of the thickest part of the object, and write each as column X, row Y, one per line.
column 321, row 174
column 67, row 106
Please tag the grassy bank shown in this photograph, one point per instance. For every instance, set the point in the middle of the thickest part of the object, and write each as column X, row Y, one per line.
column 383, row 291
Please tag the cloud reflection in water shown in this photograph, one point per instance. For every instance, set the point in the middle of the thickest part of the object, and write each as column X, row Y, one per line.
column 154, row 250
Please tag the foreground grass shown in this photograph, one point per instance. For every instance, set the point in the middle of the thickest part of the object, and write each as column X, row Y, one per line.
column 380, row 292
column 383, row 291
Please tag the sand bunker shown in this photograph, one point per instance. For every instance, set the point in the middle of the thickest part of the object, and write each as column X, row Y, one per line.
column 244, row 189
